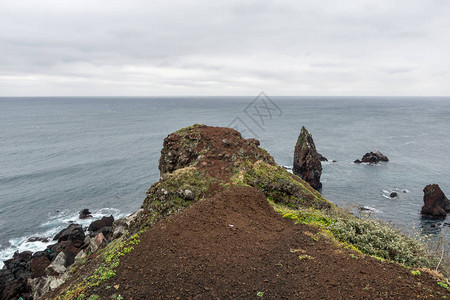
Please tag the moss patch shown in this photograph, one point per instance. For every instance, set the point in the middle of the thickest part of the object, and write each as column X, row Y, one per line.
column 108, row 260
column 175, row 192
column 280, row 186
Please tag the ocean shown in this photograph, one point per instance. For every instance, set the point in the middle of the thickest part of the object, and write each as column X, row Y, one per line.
column 60, row 155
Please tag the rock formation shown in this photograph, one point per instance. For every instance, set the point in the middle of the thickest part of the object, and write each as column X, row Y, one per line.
column 306, row 160
column 435, row 202
column 372, row 158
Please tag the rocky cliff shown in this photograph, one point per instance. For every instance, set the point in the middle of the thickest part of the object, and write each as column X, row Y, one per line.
column 225, row 221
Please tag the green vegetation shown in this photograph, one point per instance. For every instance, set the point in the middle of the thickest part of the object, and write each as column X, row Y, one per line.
column 444, row 285
column 416, row 272
column 279, row 185
column 109, row 259
column 166, row 197
column 260, row 294
column 363, row 235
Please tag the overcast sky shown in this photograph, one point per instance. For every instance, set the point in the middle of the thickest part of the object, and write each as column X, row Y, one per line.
column 151, row 48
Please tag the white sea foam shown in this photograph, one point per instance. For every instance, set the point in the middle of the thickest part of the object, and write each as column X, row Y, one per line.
column 50, row 228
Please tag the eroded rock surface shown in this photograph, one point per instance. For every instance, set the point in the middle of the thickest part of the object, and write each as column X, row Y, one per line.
column 306, row 159
column 436, row 203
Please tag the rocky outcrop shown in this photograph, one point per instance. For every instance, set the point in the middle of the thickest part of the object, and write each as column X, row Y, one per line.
column 436, row 203
column 84, row 214
column 372, row 158
column 306, row 160
column 104, row 225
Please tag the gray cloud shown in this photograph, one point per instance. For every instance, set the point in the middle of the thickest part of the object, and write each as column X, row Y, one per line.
column 232, row 47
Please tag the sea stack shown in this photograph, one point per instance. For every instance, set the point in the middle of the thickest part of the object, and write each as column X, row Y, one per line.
column 435, row 202
column 306, row 159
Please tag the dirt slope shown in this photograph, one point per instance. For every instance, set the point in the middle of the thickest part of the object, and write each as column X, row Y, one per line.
column 234, row 246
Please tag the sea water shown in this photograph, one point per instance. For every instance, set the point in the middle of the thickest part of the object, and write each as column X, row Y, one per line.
column 60, row 155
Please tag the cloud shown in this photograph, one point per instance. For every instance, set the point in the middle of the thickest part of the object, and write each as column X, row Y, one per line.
column 224, row 47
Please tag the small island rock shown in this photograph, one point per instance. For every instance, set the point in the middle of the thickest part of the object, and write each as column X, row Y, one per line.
column 372, row 158
column 84, row 214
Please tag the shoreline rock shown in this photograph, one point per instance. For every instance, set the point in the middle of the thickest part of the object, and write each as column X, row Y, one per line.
column 436, row 203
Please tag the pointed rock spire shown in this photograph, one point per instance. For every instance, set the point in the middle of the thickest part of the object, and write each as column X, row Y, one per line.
column 306, row 160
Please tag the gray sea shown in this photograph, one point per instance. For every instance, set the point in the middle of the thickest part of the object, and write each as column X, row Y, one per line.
column 60, row 155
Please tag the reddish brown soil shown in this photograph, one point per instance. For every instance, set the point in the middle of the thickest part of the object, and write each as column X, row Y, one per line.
column 234, row 245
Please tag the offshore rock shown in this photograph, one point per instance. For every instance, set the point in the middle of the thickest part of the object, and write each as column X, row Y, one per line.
column 306, row 160
column 372, row 158
column 436, row 203
column 84, row 214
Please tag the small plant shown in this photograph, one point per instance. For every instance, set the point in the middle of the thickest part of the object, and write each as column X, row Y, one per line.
column 415, row 272
column 353, row 256
column 94, row 297
column 444, row 285
column 305, row 256
column 260, row 294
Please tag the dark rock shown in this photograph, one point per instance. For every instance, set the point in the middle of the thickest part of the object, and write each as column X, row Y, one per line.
column 70, row 249
column 306, row 160
column 38, row 239
column 84, row 214
column 334, row 161
column 104, row 225
column 436, row 203
column 74, row 233
column 357, row 161
column 16, row 289
column 393, row 195
column 373, row 158
column 19, row 264
column 322, row 158
column 38, row 266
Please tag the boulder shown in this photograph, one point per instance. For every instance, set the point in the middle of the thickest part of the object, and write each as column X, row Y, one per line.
column 38, row 239
column 19, row 264
column 393, row 195
column 436, row 203
column 57, row 266
column 97, row 242
column 306, row 160
column 74, row 233
column 84, row 214
column 38, row 266
column 372, row 158
column 122, row 225
column 104, row 225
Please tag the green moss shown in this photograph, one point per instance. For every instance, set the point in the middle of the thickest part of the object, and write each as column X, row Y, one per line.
column 109, row 259
column 279, row 185
column 167, row 197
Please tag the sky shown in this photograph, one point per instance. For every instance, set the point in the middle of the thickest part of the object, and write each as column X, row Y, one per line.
column 233, row 47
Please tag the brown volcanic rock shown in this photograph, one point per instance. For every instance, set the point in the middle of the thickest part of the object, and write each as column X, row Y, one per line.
column 436, row 203
column 234, row 246
column 306, row 159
